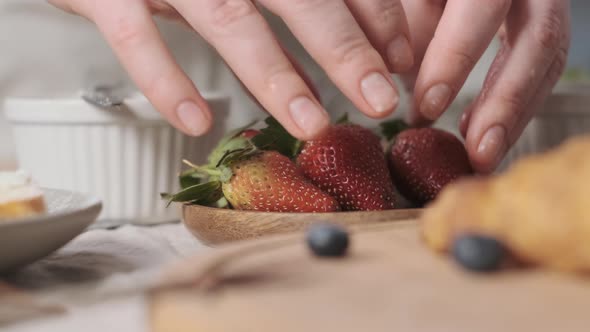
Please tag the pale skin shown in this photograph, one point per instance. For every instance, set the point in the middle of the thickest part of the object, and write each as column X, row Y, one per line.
column 432, row 44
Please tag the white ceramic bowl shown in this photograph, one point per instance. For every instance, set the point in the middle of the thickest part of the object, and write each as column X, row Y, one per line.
column 126, row 156
column 24, row 241
column 565, row 113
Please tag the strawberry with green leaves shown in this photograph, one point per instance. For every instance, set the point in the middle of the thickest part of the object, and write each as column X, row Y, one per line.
column 248, row 178
column 269, row 181
column 346, row 161
column 423, row 161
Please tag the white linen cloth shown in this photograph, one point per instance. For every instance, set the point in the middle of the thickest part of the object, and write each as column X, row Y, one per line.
column 114, row 261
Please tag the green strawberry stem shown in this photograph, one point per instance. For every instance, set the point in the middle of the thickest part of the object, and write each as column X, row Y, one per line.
column 343, row 119
column 201, row 184
column 201, row 169
column 203, row 194
column 390, row 129
column 276, row 138
column 230, row 141
column 194, row 173
column 190, row 178
column 189, row 164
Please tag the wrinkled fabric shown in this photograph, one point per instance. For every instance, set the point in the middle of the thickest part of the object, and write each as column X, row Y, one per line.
column 79, row 287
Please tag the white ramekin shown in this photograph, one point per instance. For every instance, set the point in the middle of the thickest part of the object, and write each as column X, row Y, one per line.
column 565, row 113
column 127, row 156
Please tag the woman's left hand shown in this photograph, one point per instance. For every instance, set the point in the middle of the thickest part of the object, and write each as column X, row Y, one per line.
column 449, row 37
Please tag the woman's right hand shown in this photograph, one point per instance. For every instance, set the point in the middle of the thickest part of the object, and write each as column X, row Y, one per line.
column 357, row 42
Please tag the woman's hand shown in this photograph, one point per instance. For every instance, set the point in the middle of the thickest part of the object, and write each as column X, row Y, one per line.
column 357, row 42
column 450, row 37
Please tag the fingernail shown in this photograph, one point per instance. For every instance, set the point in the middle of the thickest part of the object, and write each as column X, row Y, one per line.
column 400, row 54
column 492, row 145
column 435, row 100
column 192, row 118
column 379, row 93
column 308, row 115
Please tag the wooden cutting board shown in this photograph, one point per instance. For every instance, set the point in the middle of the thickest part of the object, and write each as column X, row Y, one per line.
column 389, row 282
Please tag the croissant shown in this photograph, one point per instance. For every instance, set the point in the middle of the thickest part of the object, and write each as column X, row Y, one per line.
column 539, row 208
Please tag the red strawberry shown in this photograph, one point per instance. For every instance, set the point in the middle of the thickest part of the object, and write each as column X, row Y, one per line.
column 347, row 162
column 269, row 181
column 423, row 161
column 251, row 179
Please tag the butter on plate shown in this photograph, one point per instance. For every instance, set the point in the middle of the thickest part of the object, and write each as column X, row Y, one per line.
column 20, row 196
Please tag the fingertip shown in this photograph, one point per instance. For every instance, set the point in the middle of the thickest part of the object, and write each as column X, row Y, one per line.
column 482, row 168
column 435, row 101
column 309, row 117
column 196, row 120
column 380, row 94
column 415, row 119
column 480, row 165
column 490, row 150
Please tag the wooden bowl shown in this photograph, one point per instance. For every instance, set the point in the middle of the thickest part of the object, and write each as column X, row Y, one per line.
column 214, row 226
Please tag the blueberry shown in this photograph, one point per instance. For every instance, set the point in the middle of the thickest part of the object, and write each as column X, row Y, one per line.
column 327, row 240
column 478, row 253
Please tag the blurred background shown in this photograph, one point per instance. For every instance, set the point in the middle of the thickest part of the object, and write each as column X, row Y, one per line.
column 48, row 53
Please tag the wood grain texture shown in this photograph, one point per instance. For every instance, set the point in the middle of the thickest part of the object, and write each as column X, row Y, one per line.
column 389, row 282
column 215, row 226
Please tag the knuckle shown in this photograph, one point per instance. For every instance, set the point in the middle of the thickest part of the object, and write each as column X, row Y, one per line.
column 276, row 74
column 127, row 33
column 547, row 32
column 513, row 101
column 462, row 58
column 226, row 13
column 160, row 83
column 387, row 11
column 557, row 67
column 351, row 48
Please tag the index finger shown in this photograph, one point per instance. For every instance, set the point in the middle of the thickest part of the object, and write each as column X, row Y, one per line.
column 465, row 30
column 130, row 30
column 331, row 35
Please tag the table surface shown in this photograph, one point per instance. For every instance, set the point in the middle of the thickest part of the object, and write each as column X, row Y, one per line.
column 111, row 261
column 389, row 281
